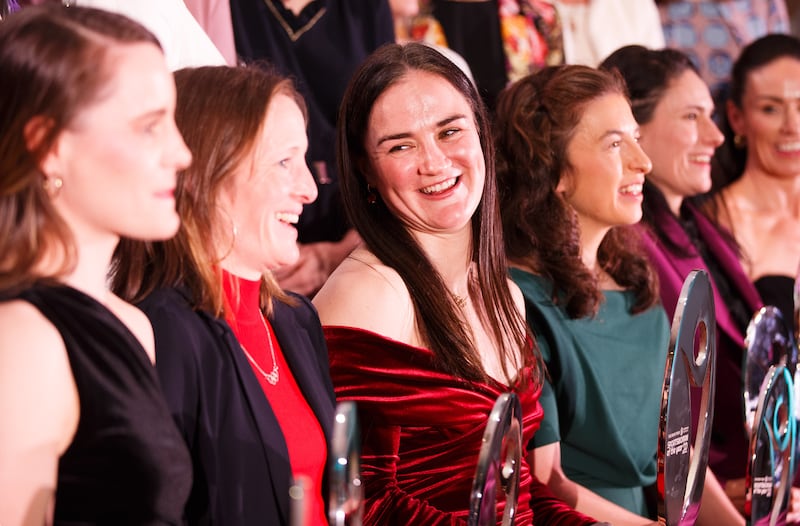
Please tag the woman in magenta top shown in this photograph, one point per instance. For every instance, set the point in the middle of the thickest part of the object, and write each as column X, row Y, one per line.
column 424, row 328
column 243, row 364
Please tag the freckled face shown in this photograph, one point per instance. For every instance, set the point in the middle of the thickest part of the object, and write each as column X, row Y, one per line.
column 425, row 154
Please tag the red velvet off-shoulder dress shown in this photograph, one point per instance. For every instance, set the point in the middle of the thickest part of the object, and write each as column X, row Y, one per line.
column 422, row 431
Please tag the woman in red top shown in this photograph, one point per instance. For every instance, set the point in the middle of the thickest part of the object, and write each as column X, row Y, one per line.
column 257, row 412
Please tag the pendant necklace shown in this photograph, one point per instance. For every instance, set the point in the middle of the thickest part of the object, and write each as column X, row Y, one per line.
column 273, row 376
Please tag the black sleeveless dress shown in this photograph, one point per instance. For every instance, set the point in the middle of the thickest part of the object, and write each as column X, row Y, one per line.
column 127, row 463
column 778, row 291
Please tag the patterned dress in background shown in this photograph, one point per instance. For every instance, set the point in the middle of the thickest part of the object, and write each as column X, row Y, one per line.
column 713, row 33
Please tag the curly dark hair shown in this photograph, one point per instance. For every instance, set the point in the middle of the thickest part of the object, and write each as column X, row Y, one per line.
column 535, row 122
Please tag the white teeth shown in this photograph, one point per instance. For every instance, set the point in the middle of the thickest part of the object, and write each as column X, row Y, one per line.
column 632, row 189
column 700, row 158
column 440, row 187
column 789, row 147
column 286, row 217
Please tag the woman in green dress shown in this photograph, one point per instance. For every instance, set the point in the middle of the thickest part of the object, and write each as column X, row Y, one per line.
column 572, row 184
column 571, row 171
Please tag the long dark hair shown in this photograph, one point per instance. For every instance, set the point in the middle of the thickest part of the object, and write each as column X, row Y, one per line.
column 53, row 64
column 648, row 74
column 386, row 236
column 536, row 120
column 220, row 111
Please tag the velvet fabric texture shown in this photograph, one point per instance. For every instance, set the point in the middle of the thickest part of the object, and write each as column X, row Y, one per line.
column 422, row 432
column 127, row 463
column 728, row 454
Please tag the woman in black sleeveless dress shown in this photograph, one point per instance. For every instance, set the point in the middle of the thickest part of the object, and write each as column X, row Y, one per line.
column 88, row 153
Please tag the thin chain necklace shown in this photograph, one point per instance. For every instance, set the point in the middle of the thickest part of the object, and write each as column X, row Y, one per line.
column 272, row 377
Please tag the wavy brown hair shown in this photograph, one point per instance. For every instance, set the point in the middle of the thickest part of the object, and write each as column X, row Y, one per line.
column 220, row 111
column 536, row 119
column 385, row 235
column 54, row 63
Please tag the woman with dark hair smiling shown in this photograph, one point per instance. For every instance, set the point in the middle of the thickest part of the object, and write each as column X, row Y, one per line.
column 674, row 109
column 572, row 169
column 424, row 328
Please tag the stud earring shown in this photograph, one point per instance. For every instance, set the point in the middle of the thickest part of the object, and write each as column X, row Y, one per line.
column 739, row 141
column 52, row 185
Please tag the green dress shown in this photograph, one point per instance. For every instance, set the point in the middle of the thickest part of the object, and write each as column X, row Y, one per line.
column 603, row 395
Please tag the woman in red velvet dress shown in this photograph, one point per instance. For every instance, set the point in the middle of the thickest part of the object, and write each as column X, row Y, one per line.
column 424, row 328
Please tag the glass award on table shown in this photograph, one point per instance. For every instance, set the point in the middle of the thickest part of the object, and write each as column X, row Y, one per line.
column 346, row 504
column 771, row 416
column 498, row 470
column 690, row 364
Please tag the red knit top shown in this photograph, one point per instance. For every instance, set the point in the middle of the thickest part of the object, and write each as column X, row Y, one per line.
column 301, row 429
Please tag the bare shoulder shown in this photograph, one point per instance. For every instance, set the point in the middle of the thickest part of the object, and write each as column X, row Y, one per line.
column 39, row 409
column 516, row 295
column 35, row 371
column 25, row 334
column 364, row 293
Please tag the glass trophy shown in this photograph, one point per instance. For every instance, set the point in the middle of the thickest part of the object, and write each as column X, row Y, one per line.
column 690, row 363
column 346, row 504
column 771, row 416
column 498, row 470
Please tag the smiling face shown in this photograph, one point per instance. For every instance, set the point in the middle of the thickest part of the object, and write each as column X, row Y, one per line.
column 769, row 118
column 119, row 158
column 266, row 195
column 607, row 167
column 680, row 139
column 425, row 154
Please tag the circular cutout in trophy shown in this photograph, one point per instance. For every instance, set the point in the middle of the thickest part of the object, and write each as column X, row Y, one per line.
column 772, row 443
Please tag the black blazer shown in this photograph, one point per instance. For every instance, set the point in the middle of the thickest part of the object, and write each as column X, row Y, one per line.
column 241, row 464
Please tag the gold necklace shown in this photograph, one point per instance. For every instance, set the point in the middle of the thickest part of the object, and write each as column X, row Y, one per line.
column 294, row 35
column 273, row 376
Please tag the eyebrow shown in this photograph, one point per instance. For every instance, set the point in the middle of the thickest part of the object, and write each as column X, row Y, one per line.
column 636, row 131
column 147, row 115
column 405, row 135
column 773, row 98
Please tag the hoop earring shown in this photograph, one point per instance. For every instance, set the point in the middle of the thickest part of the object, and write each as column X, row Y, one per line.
column 739, row 141
column 233, row 230
column 372, row 198
column 52, row 185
